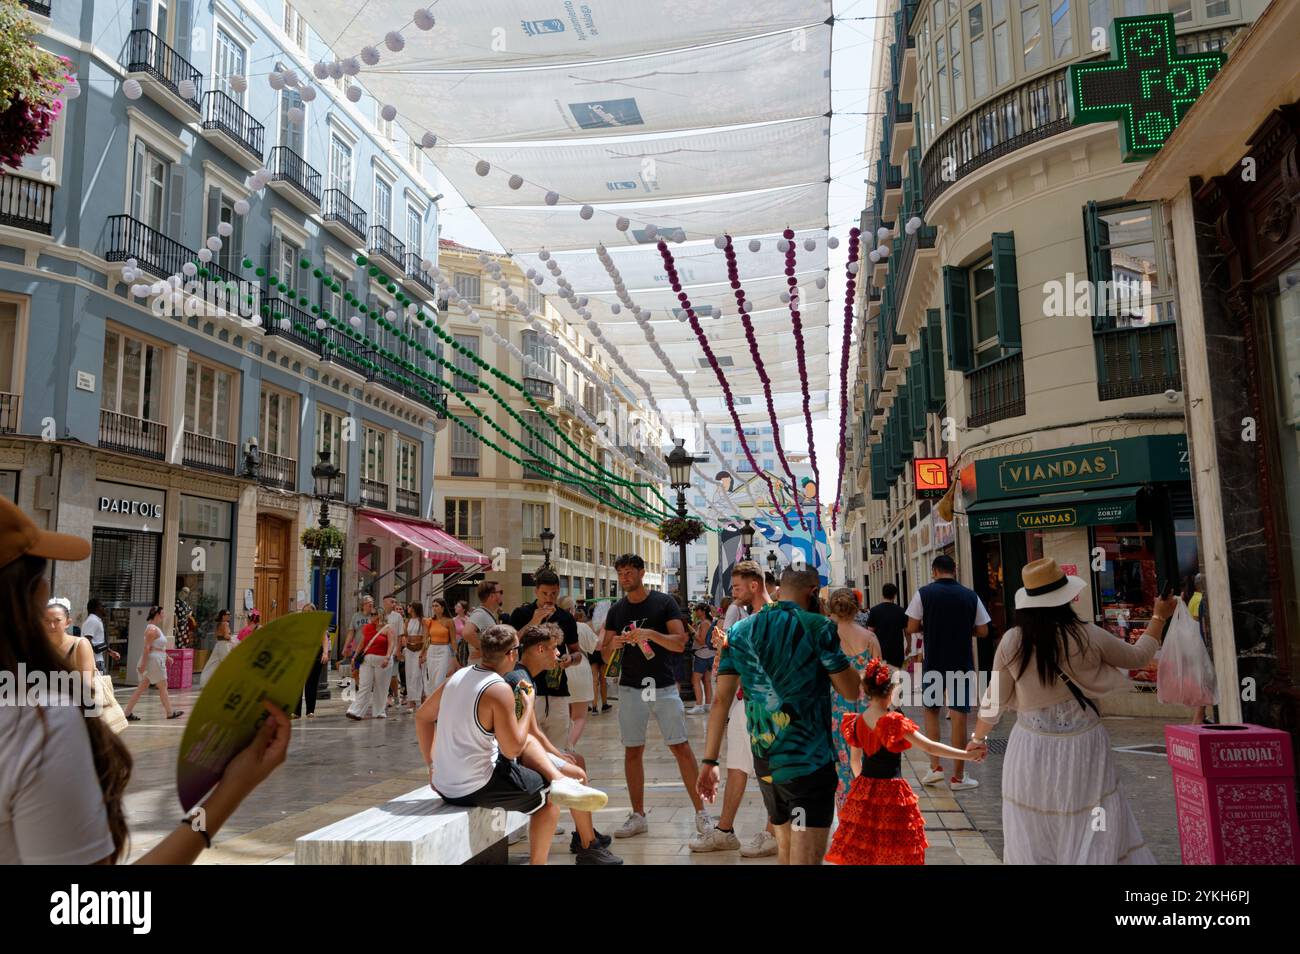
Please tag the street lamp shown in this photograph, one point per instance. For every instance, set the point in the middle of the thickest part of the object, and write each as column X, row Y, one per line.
column 323, row 474
column 679, row 475
column 772, row 562
column 746, row 537
column 547, row 539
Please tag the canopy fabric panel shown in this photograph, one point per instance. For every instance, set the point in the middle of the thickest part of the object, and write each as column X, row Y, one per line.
column 770, row 328
column 751, row 409
column 617, row 169
column 698, row 263
column 661, row 92
column 498, row 33
column 561, row 227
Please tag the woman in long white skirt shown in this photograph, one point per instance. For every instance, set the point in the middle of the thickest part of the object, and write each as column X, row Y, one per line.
column 1061, row 798
column 220, row 648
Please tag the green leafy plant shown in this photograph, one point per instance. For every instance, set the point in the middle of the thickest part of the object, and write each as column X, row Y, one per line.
column 31, row 80
column 679, row 530
column 329, row 539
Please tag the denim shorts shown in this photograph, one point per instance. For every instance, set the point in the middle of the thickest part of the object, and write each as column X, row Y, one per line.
column 634, row 711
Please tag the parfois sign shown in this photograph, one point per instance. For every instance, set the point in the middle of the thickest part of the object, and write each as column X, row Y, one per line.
column 1148, row 87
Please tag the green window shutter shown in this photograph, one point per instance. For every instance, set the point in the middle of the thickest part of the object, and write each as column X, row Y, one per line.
column 879, row 485
column 903, row 405
column 1006, row 290
column 1096, row 235
column 956, row 305
column 932, row 342
column 916, row 379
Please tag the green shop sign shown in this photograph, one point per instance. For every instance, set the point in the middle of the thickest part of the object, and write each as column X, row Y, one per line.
column 1148, row 87
column 1136, row 460
column 1082, row 513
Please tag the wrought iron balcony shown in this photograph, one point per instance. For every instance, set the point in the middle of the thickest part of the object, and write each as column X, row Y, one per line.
column 37, row 7
column 374, row 494
column 221, row 112
column 338, row 208
column 147, row 53
column 133, row 435
column 416, row 273
column 996, row 390
column 277, row 471
column 208, row 453
column 464, row 467
column 157, row 254
column 1136, row 361
column 392, row 375
column 284, row 319
column 289, row 167
column 385, row 243
column 408, row 502
column 535, row 470
column 26, row 203
column 10, row 404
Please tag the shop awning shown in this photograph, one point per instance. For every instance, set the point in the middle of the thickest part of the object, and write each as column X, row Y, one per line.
column 433, row 541
column 1055, row 512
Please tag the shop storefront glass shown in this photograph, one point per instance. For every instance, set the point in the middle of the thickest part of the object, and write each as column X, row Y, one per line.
column 1126, row 585
column 404, row 570
column 203, row 562
column 368, row 570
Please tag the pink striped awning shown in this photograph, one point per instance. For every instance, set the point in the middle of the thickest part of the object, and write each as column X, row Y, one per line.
column 433, row 541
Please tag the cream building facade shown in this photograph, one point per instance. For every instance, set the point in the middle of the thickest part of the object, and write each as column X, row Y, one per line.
column 1061, row 423
column 500, row 507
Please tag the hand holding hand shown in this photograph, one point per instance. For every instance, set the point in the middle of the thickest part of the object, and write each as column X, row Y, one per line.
column 977, row 751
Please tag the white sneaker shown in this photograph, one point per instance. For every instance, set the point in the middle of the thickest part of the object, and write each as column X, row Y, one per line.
column 932, row 777
column 715, row 839
column 570, row 793
column 634, row 824
column 963, row 784
column 761, row 845
column 695, row 710
column 703, row 822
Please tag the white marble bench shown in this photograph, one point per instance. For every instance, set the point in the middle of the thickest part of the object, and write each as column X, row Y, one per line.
column 416, row 829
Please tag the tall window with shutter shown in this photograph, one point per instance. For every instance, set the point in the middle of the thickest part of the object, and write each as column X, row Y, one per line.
column 465, row 449
column 464, row 362
column 221, row 208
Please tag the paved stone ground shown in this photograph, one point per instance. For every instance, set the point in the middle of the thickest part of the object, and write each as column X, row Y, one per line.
column 337, row 768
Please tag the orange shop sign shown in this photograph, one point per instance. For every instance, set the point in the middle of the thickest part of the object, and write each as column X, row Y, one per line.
column 931, row 476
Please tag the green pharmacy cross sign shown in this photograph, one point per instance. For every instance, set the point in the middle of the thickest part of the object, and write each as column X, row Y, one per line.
column 1148, row 88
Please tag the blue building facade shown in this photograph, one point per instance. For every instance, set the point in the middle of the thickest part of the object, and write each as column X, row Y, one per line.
column 181, row 439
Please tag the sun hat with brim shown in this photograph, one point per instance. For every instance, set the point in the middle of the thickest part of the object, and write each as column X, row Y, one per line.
column 20, row 537
column 1046, row 584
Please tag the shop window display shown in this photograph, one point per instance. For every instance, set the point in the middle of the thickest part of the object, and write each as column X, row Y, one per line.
column 1126, row 585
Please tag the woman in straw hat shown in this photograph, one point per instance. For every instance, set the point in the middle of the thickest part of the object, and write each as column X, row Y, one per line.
column 1061, row 800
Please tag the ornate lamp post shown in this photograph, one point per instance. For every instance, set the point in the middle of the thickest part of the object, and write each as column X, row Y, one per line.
column 547, row 539
column 746, row 538
column 772, row 562
column 679, row 474
column 323, row 474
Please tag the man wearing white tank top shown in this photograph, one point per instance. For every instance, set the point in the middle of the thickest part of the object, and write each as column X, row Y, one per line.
column 480, row 753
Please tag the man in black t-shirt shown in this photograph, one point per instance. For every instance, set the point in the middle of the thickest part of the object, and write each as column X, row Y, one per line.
column 552, row 692
column 888, row 621
column 648, row 627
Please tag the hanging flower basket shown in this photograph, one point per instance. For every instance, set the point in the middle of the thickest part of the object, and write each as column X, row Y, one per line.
column 31, row 80
column 679, row 530
column 328, row 539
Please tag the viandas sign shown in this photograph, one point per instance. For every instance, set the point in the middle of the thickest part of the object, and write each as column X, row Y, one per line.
column 1134, row 460
column 1148, row 87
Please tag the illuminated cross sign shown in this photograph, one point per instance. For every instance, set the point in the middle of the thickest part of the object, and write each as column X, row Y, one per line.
column 1147, row 88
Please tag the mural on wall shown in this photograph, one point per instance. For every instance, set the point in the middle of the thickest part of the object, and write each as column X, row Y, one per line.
column 812, row 543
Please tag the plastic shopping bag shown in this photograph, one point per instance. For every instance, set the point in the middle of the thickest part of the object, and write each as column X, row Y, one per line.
column 1186, row 673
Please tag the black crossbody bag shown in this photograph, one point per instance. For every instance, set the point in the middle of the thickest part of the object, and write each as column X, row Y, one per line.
column 1084, row 702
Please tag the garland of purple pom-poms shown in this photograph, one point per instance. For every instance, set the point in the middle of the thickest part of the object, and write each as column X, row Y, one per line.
column 671, row 268
column 850, row 294
column 796, row 322
column 733, row 275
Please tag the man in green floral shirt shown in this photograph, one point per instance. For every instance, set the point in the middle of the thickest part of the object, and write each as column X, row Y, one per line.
column 787, row 660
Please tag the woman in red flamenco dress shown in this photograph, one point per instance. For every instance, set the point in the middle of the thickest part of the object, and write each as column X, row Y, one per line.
column 880, row 823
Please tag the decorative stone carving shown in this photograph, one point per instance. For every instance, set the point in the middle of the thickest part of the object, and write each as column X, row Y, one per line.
column 1276, row 221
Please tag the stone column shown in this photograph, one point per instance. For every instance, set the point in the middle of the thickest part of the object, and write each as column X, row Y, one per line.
column 176, row 419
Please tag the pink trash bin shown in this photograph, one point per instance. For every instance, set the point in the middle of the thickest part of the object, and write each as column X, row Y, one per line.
column 1234, row 787
column 180, row 668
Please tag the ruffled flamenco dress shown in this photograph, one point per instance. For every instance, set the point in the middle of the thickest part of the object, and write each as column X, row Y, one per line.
column 880, row 821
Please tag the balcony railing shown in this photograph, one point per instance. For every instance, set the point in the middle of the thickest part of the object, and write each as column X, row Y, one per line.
column 10, row 405
column 221, row 112
column 1136, row 361
column 539, row 388
column 924, row 237
column 287, row 166
column 277, row 471
column 147, row 53
column 374, row 494
column 1033, row 112
column 534, row 472
column 333, row 343
column 416, row 273
column 408, row 502
column 37, row 7
column 385, row 243
column 26, row 203
column 474, row 540
column 156, row 253
column 532, row 546
column 208, row 453
column 134, row 435
column 394, row 376
column 464, row 466
column 997, row 390
column 564, row 551
column 337, row 207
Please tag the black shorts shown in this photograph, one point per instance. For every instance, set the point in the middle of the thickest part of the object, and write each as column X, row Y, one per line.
column 596, row 659
column 514, row 787
column 810, row 798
